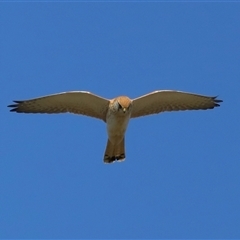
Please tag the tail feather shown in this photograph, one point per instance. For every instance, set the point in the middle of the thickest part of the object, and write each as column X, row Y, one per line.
column 114, row 152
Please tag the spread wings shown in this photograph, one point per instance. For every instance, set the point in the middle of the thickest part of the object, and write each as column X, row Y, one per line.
column 168, row 100
column 78, row 102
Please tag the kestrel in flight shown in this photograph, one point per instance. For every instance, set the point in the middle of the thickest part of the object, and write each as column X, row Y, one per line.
column 117, row 112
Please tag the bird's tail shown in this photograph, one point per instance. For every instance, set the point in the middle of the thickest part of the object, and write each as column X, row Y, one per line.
column 114, row 152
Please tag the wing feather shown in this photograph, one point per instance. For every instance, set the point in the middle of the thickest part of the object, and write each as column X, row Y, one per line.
column 169, row 100
column 78, row 102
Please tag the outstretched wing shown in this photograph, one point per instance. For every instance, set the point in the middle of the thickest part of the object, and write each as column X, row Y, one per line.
column 168, row 100
column 78, row 102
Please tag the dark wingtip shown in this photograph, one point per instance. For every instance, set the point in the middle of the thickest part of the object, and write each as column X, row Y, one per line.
column 14, row 106
column 217, row 101
column 14, row 110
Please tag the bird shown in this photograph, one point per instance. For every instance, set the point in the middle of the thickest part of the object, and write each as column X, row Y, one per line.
column 115, row 112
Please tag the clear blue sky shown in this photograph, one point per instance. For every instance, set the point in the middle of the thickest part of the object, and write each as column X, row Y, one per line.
column 181, row 175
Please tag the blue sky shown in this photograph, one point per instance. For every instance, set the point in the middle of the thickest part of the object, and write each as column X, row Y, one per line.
column 181, row 175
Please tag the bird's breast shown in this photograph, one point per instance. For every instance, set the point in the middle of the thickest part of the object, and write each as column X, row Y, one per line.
column 116, row 126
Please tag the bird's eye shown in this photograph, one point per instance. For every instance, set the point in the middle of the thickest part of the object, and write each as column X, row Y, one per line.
column 119, row 106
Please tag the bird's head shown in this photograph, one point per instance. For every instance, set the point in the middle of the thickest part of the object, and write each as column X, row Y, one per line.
column 124, row 104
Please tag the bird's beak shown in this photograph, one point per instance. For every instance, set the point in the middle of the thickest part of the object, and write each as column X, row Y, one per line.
column 124, row 110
